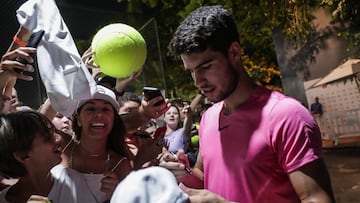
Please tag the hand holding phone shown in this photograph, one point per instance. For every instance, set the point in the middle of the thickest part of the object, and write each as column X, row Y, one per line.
column 33, row 41
column 152, row 92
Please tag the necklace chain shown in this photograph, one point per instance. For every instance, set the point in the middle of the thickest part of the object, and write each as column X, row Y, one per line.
column 91, row 155
column 71, row 160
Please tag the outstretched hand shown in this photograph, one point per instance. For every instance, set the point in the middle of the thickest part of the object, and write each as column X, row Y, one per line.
column 121, row 83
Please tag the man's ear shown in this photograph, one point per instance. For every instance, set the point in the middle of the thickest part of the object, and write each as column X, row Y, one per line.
column 21, row 156
column 235, row 52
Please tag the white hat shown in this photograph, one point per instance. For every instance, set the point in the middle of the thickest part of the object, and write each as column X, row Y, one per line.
column 102, row 93
column 149, row 185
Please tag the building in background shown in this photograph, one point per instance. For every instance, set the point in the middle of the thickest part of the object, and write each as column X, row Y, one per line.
column 339, row 94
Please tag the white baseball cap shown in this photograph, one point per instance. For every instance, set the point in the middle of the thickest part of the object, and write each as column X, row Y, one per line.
column 102, row 93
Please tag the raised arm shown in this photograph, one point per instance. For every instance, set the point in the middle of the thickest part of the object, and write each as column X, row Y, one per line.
column 198, row 98
column 188, row 121
column 134, row 119
column 47, row 109
column 20, row 38
column 8, row 75
column 9, row 63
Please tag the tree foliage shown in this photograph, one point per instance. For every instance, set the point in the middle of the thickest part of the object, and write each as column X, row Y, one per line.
column 347, row 13
column 257, row 20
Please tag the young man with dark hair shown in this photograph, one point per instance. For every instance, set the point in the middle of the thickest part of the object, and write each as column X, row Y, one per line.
column 256, row 145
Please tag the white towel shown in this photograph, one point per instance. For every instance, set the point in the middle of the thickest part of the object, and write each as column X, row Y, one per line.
column 62, row 71
column 149, row 185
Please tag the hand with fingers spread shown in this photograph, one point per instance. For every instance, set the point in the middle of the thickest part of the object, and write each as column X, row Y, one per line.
column 89, row 62
column 121, row 83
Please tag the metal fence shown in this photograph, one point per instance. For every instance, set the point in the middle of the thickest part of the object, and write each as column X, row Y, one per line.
column 334, row 125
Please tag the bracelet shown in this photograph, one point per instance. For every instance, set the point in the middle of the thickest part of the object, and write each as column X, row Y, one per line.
column 19, row 41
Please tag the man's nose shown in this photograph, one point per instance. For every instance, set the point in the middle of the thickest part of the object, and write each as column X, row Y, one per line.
column 198, row 79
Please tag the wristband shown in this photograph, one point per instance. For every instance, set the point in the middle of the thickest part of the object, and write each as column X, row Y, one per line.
column 37, row 198
column 18, row 41
column 119, row 94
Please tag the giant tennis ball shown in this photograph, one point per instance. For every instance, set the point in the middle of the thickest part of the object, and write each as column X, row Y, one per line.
column 120, row 50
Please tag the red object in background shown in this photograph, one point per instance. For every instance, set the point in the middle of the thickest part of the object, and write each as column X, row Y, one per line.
column 159, row 132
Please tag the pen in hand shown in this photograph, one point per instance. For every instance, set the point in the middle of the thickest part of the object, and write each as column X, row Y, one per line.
column 187, row 169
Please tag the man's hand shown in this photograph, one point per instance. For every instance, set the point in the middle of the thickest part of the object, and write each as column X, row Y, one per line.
column 175, row 163
column 201, row 196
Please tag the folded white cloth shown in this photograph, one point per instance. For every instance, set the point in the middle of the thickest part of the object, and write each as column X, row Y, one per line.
column 62, row 71
column 149, row 185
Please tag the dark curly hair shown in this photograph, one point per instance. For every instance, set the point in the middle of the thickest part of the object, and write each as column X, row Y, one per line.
column 208, row 27
column 17, row 133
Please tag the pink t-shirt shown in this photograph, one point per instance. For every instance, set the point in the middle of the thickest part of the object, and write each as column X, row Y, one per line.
column 247, row 155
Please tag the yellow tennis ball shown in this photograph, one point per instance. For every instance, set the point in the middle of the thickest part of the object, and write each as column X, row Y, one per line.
column 195, row 140
column 120, row 50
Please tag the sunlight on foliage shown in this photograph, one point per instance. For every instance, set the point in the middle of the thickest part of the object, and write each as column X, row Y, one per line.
column 263, row 75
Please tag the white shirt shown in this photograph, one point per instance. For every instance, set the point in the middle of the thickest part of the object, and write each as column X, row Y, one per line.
column 69, row 186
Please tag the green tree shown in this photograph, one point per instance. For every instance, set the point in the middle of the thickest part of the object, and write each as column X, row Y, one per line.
column 346, row 12
column 257, row 21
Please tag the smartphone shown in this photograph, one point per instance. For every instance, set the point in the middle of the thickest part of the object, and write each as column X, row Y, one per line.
column 33, row 41
column 152, row 92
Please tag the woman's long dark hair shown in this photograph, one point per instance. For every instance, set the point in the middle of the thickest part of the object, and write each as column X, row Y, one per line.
column 116, row 138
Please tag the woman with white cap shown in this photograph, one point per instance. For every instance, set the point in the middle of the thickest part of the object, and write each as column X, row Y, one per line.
column 99, row 153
